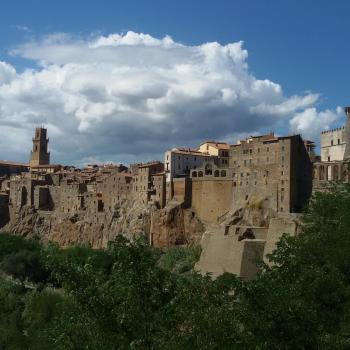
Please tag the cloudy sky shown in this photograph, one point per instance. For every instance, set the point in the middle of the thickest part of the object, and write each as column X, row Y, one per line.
column 123, row 91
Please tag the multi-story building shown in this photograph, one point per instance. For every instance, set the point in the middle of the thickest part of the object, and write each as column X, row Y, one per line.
column 333, row 143
column 179, row 161
column 335, row 152
column 143, row 183
column 219, row 149
column 269, row 168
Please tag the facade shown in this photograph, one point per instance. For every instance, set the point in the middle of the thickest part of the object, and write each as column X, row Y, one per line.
column 8, row 168
column 261, row 168
column 179, row 161
column 333, row 165
column 333, row 144
column 147, row 181
column 219, row 149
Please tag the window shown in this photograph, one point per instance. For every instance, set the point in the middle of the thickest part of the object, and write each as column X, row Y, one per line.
column 258, row 150
column 250, row 151
column 331, row 142
column 329, row 158
column 282, row 158
column 267, row 149
column 338, row 141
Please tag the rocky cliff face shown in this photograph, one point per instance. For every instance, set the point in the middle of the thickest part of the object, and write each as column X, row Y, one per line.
column 171, row 225
column 175, row 225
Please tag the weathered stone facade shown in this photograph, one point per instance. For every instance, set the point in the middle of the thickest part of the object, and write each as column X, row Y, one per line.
column 241, row 196
column 276, row 170
column 333, row 167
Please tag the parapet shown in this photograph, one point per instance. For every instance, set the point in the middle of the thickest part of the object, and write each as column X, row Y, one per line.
column 333, row 130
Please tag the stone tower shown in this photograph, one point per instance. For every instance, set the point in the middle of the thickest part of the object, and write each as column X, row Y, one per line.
column 347, row 133
column 39, row 154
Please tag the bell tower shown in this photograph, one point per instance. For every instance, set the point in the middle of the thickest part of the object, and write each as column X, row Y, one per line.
column 347, row 134
column 39, row 154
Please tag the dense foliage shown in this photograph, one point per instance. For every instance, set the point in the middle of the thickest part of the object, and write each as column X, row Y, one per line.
column 131, row 296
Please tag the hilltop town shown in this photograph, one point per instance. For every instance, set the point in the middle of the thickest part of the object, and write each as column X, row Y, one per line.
column 235, row 200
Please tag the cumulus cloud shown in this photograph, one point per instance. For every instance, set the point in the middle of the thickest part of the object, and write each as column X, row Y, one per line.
column 131, row 96
column 309, row 122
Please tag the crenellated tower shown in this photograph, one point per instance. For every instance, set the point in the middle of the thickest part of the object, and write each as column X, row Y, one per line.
column 347, row 134
column 39, row 154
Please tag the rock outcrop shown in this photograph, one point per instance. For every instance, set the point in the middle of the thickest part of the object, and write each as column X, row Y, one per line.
column 168, row 226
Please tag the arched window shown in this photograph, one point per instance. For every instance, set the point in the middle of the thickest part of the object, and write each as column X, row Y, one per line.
column 223, row 173
column 208, row 169
column 194, row 174
column 200, row 174
column 216, row 173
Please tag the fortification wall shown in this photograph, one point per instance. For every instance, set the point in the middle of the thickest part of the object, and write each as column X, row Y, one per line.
column 288, row 224
column 211, row 198
column 225, row 253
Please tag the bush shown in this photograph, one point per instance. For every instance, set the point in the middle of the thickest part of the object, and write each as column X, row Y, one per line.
column 180, row 259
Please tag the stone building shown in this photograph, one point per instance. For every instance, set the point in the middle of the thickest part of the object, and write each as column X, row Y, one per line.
column 219, row 149
column 261, row 169
column 179, row 161
column 148, row 180
column 11, row 168
column 40, row 154
column 333, row 166
column 333, row 144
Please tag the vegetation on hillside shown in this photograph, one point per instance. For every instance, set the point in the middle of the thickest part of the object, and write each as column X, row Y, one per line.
column 130, row 296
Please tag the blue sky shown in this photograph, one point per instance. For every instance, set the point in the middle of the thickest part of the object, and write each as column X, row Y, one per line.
column 301, row 45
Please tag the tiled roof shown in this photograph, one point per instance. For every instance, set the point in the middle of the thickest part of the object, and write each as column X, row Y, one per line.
column 217, row 144
column 8, row 162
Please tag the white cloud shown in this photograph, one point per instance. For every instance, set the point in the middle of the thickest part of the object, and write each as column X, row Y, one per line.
column 310, row 122
column 132, row 96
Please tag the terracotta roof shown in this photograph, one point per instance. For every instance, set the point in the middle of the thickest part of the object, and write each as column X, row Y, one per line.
column 146, row 165
column 47, row 166
column 189, row 151
column 8, row 162
column 217, row 144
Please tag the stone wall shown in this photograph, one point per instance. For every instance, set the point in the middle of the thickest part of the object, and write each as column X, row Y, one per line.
column 211, row 198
